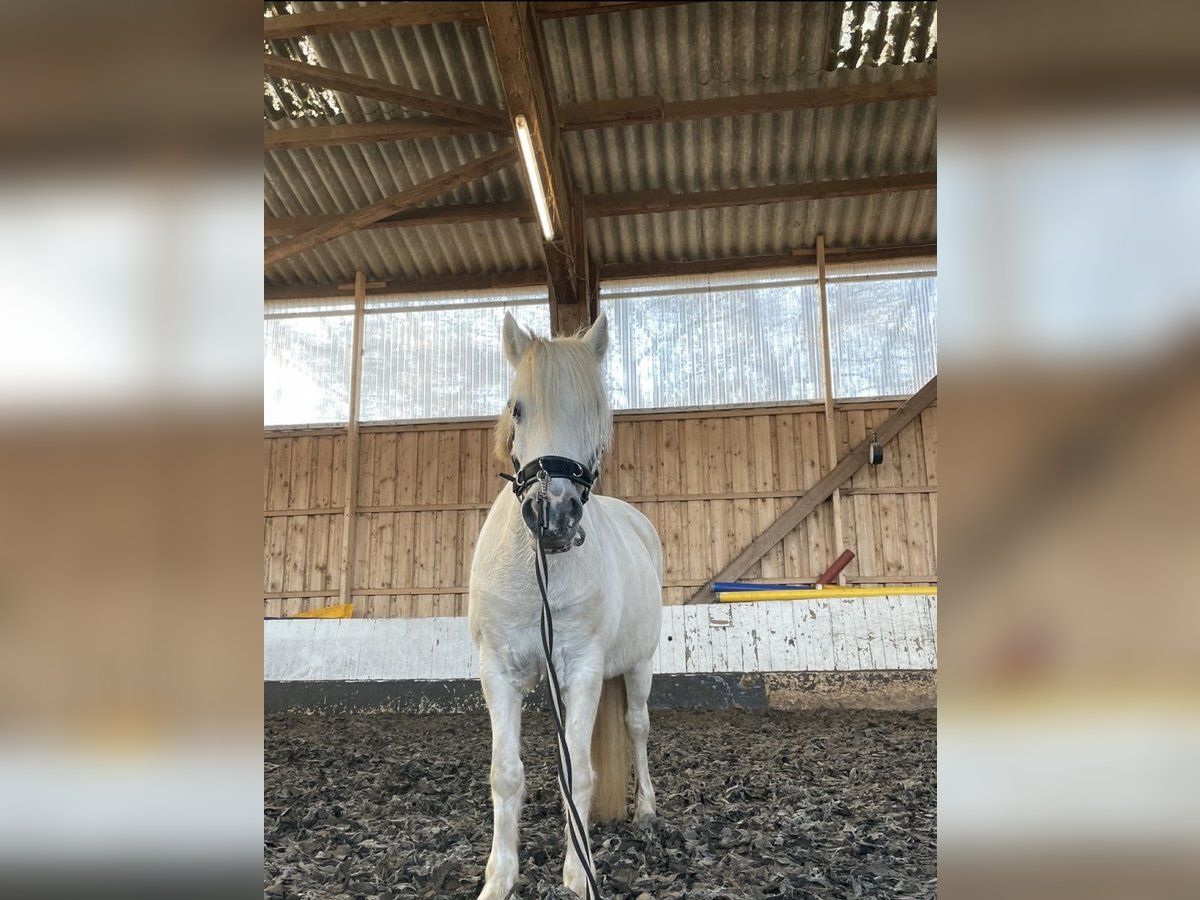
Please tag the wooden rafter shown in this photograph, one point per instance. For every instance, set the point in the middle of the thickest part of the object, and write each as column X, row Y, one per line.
column 372, row 132
column 639, row 202
column 819, row 492
column 516, row 38
column 462, row 214
column 596, row 206
column 535, row 277
column 755, row 263
column 362, row 86
column 406, row 199
column 400, row 15
column 435, row 284
column 640, row 110
column 614, row 113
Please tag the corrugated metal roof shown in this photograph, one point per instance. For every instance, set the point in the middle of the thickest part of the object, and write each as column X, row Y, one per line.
column 681, row 52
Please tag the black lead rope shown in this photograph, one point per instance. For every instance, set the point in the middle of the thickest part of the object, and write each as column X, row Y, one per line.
column 575, row 823
column 542, row 470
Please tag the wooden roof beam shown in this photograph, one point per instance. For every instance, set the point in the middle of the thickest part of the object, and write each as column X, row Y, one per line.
column 613, row 113
column 401, row 15
column 642, row 110
column 597, row 206
column 537, row 277
column 372, row 132
column 516, row 38
column 638, row 202
column 834, row 256
column 461, row 214
column 431, row 285
column 384, row 91
column 406, row 199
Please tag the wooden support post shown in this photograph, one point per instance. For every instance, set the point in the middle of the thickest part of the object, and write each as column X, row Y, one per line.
column 610, row 755
column 830, row 421
column 524, row 73
column 348, row 517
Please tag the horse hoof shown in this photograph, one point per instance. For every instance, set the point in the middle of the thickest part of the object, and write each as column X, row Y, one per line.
column 495, row 892
column 646, row 821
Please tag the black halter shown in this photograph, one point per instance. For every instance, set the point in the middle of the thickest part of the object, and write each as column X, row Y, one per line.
column 546, row 467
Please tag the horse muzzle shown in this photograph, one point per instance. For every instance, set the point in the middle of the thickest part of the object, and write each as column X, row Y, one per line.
column 557, row 516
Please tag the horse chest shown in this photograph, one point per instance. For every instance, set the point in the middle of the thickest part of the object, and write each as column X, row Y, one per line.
column 518, row 647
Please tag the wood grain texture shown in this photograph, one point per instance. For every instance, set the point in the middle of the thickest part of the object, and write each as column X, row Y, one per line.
column 709, row 483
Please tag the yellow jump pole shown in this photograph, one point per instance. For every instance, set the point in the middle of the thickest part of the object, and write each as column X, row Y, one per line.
column 834, row 593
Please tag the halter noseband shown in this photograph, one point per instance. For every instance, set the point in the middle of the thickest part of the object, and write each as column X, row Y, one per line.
column 544, row 468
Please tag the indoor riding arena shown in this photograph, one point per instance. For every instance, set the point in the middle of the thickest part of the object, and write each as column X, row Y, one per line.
column 733, row 206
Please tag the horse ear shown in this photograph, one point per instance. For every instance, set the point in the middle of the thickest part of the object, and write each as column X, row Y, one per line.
column 596, row 337
column 516, row 340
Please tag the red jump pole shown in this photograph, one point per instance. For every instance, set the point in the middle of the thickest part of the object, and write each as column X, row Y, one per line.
column 829, row 576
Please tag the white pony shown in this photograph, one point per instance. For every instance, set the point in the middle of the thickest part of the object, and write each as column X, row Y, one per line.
column 605, row 584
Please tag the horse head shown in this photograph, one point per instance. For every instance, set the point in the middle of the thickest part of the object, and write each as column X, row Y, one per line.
column 555, row 427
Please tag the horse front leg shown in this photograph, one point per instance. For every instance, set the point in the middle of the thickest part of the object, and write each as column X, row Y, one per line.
column 581, row 697
column 507, row 779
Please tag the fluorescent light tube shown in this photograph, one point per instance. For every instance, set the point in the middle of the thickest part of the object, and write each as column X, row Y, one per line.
column 535, row 177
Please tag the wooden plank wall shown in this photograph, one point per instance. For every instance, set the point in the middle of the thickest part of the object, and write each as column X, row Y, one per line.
column 710, row 481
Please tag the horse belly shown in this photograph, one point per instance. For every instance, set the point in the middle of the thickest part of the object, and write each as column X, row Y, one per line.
column 640, row 624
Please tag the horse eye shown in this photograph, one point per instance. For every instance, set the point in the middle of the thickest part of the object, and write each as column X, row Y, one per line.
column 516, row 412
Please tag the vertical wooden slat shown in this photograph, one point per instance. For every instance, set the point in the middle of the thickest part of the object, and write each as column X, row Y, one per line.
column 318, row 526
column 348, row 517
column 447, row 546
column 649, row 459
column 765, row 480
column 268, row 449
column 281, row 474
column 787, row 440
column 715, row 482
column 405, row 535
column 404, row 522
column 366, row 549
column 469, row 451
column 273, row 571
column 673, row 566
column 738, row 467
column 425, row 564
column 696, row 530
column 912, row 462
column 624, row 461
column 383, row 563
column 895, row 557
column 814, row 547
column 302, row 473
column 296, row 547
column 294, row 550
column 929, row 435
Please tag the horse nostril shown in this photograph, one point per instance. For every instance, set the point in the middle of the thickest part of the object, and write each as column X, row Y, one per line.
column 530, row 511
column 574, row 510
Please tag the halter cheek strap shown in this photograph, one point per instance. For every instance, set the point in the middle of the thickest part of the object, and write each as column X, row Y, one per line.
column 546, row 467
